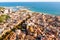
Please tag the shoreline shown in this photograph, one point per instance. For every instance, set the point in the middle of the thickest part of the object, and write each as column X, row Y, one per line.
column 40, row 12
column 22, row 7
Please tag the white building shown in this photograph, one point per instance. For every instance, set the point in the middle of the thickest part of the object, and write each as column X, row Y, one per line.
column 8, row 11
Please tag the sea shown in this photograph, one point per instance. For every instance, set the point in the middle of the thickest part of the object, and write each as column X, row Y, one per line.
column 52, row 8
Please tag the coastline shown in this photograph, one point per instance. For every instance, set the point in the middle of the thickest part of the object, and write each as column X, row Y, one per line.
column 22, row 7
column 38, row 7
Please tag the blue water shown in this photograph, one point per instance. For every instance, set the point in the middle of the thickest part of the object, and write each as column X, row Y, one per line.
column 44, row 7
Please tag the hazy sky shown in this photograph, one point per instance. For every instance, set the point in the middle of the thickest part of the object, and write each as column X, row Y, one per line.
column 29, row 0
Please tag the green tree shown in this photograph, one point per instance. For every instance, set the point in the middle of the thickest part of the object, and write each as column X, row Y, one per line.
column 3, row 18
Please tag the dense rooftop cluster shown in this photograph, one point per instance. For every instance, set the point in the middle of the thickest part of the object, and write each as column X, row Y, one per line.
column 27, row 25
